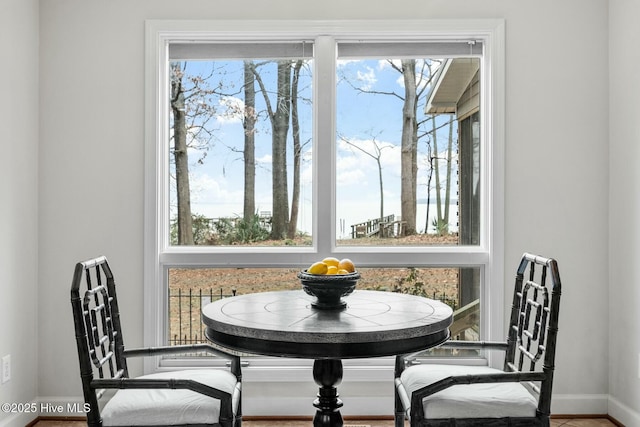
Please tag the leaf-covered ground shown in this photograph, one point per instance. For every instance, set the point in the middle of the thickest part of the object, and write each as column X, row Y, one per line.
column 202, row 284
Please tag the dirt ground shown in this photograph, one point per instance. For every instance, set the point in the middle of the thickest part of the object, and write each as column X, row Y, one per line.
column 191, row 288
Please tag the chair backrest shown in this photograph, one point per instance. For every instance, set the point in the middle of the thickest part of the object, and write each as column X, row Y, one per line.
column 97, row 324
column 533, row 327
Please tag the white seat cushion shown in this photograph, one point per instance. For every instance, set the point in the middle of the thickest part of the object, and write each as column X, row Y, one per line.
column 130, row 407
column 491, row 400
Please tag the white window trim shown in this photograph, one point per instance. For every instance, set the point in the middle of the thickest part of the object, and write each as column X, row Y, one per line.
column 158, row 256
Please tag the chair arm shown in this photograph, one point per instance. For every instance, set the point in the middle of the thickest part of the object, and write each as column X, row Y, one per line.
column 499, row 377
column 166, row 383
column 195, row 348
column 176, row 349
column 491, row 345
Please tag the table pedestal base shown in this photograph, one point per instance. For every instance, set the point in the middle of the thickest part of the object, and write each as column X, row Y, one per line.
column 327, row 373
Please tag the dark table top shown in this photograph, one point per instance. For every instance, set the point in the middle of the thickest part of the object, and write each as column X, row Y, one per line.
column 283, row 323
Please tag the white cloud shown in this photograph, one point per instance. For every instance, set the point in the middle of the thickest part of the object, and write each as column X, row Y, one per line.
column 206, row 189
column 367, row 78
column 267, row 158
column 347, row 177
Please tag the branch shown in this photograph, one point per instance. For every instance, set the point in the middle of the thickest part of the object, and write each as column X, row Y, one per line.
column 263, row 89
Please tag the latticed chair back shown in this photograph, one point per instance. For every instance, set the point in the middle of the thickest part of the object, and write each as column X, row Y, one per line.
column 97, row 324
column 533, row 326
column 202, row 397
column 517, row 395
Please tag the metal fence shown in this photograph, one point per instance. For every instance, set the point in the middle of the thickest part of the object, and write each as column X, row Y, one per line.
column 185, row 311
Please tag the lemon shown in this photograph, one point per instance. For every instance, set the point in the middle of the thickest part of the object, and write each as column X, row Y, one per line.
column 332, row 269
column 346, row 264
column 342, row 271
column 318, row 268
column 331, row 261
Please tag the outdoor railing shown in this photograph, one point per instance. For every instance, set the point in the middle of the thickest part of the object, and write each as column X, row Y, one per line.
column 370, row 227
column 185, row 311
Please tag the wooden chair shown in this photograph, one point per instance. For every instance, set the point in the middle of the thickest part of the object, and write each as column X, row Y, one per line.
column 202, row 397
column 517, row 395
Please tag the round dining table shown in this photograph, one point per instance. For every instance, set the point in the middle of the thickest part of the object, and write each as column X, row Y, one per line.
column 286, row 324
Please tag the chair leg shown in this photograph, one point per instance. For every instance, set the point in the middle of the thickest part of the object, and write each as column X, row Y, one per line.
column 399, row 411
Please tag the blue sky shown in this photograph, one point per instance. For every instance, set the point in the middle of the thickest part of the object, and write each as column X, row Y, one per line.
column 217, row 178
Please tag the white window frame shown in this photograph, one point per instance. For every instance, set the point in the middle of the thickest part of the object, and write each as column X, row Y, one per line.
column 159, row 256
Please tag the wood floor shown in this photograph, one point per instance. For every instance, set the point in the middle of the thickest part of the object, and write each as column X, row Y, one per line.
column 556, row 422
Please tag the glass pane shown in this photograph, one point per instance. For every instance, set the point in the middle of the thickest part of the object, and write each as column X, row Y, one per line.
column 192, row 288
column 240, row 152
column 400, row 149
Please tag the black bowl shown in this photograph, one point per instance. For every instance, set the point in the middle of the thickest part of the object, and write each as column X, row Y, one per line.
column 328, row 289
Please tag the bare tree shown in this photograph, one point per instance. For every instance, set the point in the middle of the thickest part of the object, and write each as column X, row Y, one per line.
column 249, row 154
column 377, row 156
column 415, row 75
column 433, row 169
column 185, row 226
column 193, row 108
column 279, row 117
column 441, row 222
column 297, row 151
column 409, row 147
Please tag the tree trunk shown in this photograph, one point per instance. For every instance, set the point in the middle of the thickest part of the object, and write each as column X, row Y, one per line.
column 280, row 125
column 249, row 143
column 429, row 177
column 297, row 150
column 185, row 225
column 408, row 160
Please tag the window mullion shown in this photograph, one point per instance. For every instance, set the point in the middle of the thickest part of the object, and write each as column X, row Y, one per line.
column 324, row 148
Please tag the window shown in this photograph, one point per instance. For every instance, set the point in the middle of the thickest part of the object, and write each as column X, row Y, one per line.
column 334, row 94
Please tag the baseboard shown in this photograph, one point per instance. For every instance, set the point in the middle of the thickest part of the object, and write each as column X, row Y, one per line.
column 19, row 419
column 625, row 415
column 580, row 404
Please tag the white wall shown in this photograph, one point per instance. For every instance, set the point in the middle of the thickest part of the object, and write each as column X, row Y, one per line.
column 624, row 214
column 557, row 113
column 18, row 200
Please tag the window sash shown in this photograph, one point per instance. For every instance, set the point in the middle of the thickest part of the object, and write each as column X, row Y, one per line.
column 409, row 49
column 160, row 256
column 186, row 51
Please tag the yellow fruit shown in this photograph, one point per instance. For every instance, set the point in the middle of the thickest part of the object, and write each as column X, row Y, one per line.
column 318, row 268
column 343, row 271
column 332, row 269
column 346, row 264
column 331, row 261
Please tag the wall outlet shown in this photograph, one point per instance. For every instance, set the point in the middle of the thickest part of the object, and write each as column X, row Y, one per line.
column 6, row 368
